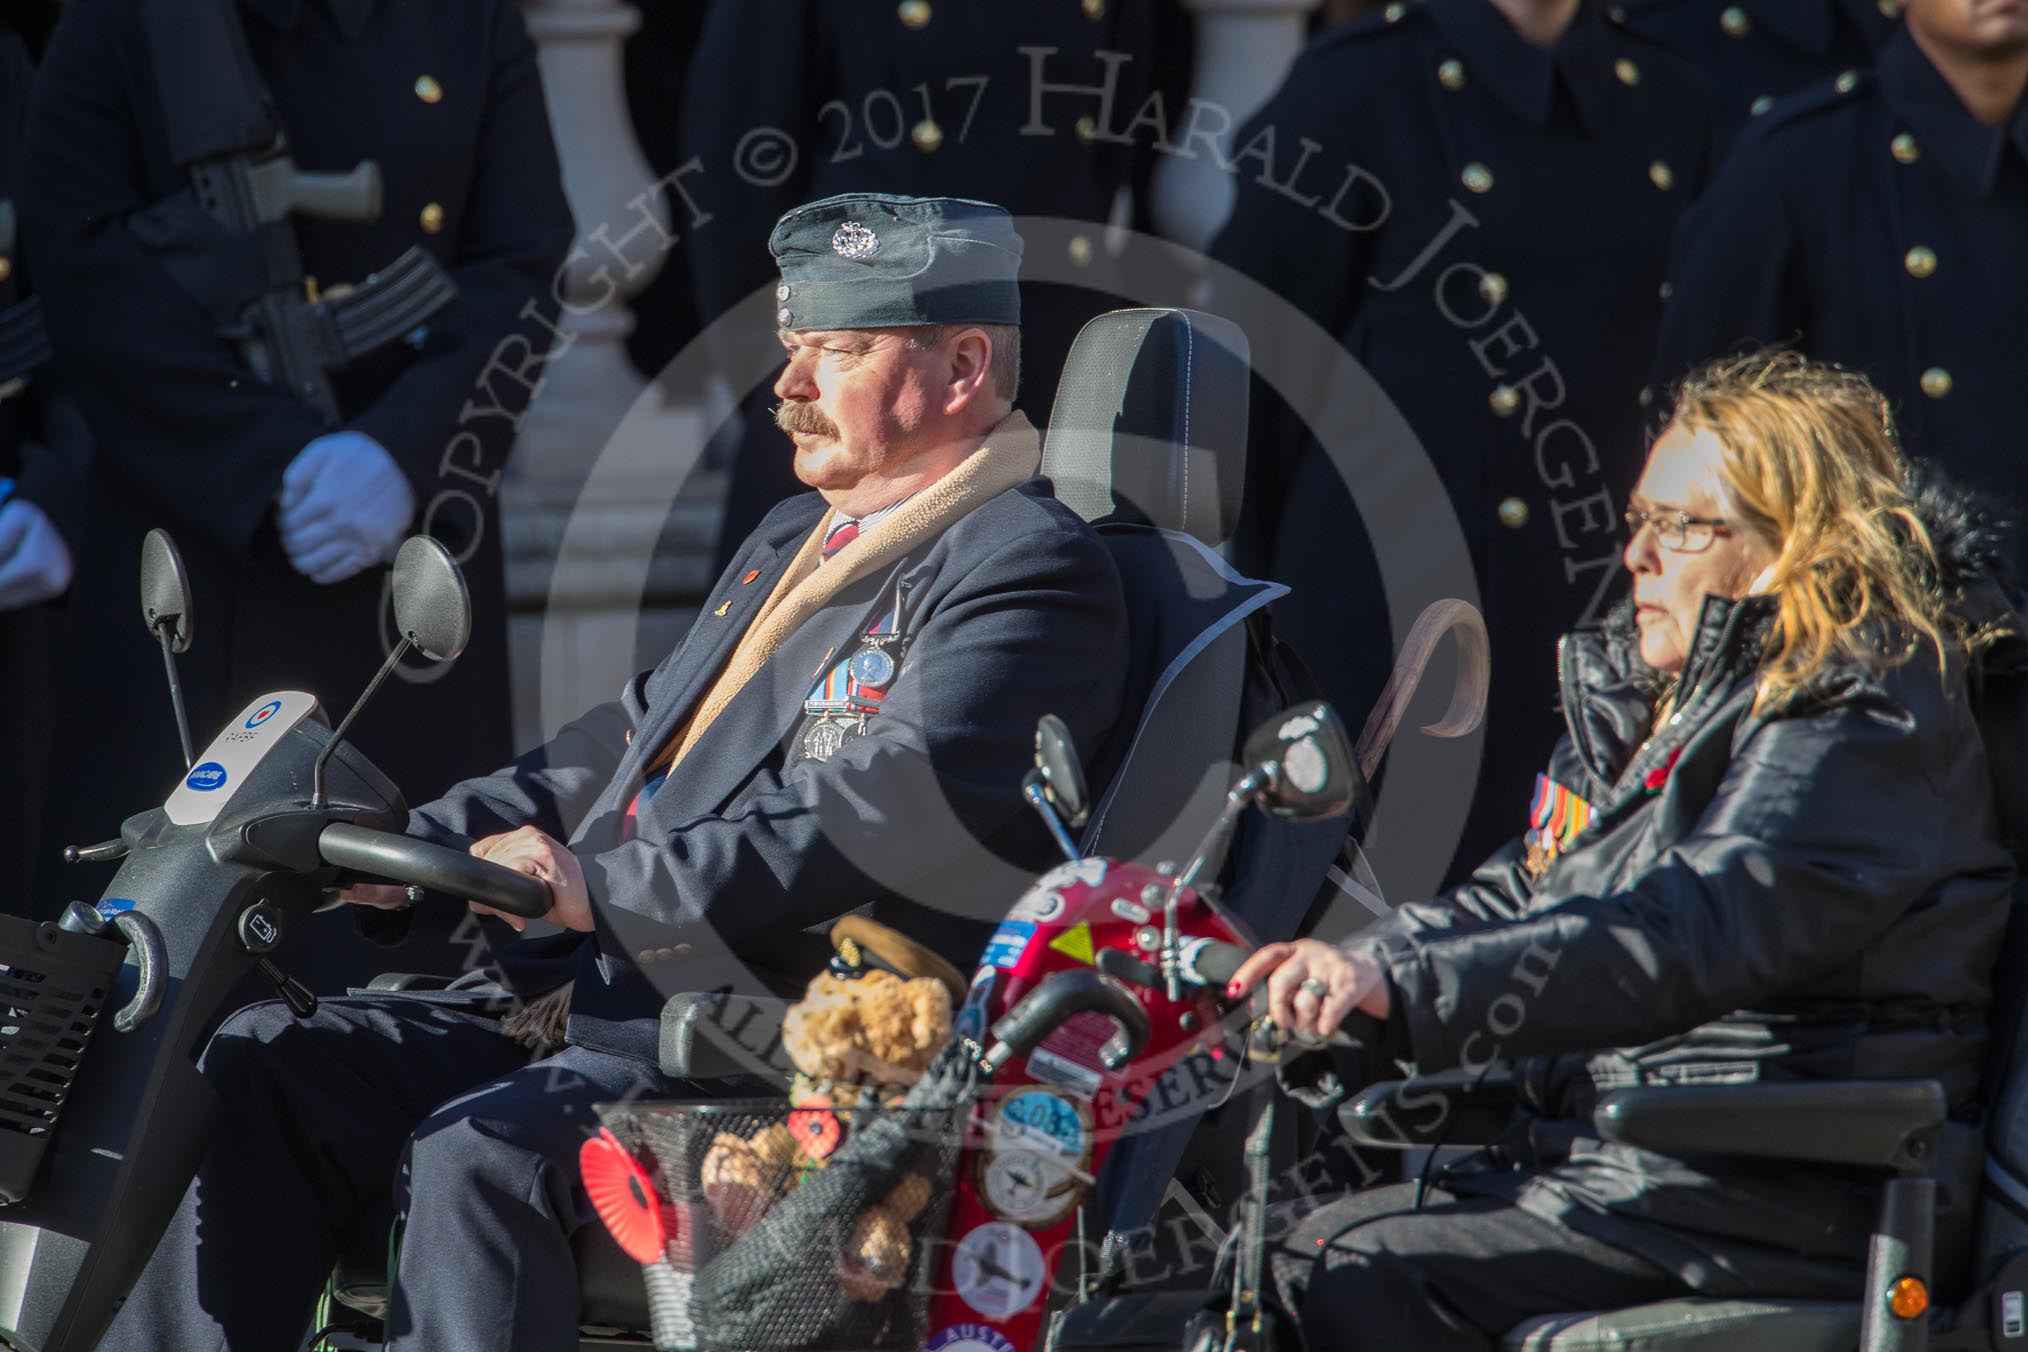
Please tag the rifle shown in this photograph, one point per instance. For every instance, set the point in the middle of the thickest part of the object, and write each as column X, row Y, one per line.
column 228, row 237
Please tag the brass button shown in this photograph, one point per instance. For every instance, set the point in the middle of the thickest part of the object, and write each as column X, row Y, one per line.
column 1616, row 14
column 1477, row 177
column 782, row 291
column 913, row 13
column 1661, row 175
column 1504, row 400
column 1394, row 12
column 1666, row 290
column 927, row 136
column 1735, row 22
column 1629, row 73
column 1919, row 261
column 1451, row 74
column 1094, row 10
column 1513, row 513
column 782, row 317
column 1761, row 104
column 1080, row 250
column 1086, row 129
column 1936, row 382
column 628, row 738
column 1492, row 288
column 432, row 218
column 1889, row 8
column 1847, row 82
column 645, row 956
column 6, row 268
column 1646, row 396
column 1905, row 149
column 428, row 90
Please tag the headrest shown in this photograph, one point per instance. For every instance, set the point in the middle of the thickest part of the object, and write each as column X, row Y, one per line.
column 1150, row 422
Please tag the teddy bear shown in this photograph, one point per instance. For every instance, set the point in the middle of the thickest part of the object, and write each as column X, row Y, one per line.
column 864, row 1032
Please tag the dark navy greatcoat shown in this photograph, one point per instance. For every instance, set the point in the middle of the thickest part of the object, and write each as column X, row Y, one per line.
column 1755, row 51
column 928, row 98
column 444, row 95
column 1876, row 221
column 748, row 852
column 1483, row 225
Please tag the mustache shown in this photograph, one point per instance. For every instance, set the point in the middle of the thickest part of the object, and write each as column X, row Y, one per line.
column 791, row 416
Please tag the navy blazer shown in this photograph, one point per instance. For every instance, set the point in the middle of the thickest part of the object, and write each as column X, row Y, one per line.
column 748, row 852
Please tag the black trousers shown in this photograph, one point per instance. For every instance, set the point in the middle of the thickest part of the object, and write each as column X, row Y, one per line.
column 420, row 1095
column 1371, row 1271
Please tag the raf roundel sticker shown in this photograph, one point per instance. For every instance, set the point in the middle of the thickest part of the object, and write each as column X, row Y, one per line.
column 264, row 713
column 998, row 1269
column 969, row 1338
column 206, row 777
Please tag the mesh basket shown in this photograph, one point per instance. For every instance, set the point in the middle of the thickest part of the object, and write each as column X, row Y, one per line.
column 795, row 1229
column 52, row 986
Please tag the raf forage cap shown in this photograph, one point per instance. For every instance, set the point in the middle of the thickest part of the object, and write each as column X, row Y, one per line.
column 877, row 261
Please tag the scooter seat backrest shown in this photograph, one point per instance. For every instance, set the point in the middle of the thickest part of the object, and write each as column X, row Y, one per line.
column 1149, row 425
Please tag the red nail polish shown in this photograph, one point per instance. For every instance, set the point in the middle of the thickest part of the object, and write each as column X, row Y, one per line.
column 1233, row 990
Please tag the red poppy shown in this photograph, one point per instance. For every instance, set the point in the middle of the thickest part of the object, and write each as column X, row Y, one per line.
column 1659, row 776
column 815, row 1127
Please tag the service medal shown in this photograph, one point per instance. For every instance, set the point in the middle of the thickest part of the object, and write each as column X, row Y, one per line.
column 873, row 666
column 824, row 739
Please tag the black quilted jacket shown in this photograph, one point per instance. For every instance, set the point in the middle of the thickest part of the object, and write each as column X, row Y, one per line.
column 1812, row 893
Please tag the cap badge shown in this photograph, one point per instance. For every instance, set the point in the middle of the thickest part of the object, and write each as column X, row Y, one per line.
column 855, row 241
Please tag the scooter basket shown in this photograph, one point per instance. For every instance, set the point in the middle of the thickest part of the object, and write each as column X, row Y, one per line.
column 815, row 1229
column 53, row 983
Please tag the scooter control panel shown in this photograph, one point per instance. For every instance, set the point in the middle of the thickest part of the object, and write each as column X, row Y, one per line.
column 225, row 764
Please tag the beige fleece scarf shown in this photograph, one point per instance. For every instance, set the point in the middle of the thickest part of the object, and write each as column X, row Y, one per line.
column 1011, row 455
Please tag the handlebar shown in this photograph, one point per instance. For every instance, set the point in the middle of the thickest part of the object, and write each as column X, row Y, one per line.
column 1210, row 963
column 1046, row 1008
column 405, row 859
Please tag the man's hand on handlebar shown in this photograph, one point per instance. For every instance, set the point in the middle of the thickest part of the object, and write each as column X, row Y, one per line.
column 524, row 850
column 1350, row 980
column 527, row 850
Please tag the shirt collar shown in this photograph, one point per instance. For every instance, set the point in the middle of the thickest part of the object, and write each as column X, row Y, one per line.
column 1524, row 76
column 1920, row 96
column 350, row 15
column 872, row 518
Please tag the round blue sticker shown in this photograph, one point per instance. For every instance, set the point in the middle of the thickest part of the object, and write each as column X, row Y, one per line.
column 206, row 777
column 264, row 713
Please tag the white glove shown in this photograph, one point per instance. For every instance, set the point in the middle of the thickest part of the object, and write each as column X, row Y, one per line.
column 35, row 563
column 344, row 507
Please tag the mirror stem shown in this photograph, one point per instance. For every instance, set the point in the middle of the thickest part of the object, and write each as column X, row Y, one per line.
column 338, row 734
column 1243, row 793
column 1032, row 791
column 176, row 695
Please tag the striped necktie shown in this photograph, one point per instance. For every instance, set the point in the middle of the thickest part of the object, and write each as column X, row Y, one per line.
column 842, row 534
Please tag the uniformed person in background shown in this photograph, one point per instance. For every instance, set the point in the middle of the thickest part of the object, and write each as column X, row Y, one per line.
column 1880, row 221
column 1476, row 198
column 1755, row 51
column 284, row 520
column 923, row 97
column 43, row 448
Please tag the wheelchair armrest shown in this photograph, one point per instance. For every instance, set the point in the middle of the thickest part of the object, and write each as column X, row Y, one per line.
column 1884, row 1123
column 1452, row 1108
column 716, row 1035
column 397, row 982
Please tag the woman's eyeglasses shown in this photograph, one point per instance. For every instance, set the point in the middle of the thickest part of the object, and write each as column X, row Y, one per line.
column 1678, row 530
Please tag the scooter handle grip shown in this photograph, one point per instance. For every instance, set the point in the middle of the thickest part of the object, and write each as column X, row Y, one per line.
column 388, row 854
column 1062, row 994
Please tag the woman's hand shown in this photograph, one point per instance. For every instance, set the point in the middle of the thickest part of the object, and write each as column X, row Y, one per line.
column 1348, row 980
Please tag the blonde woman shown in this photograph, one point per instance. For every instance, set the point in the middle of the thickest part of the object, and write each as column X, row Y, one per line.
column 1766, row 848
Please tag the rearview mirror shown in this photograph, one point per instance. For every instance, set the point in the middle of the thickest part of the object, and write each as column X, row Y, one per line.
column 165, row 590
column 1062, row 775
column 1307, row 761
column 432, row 608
